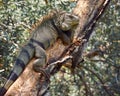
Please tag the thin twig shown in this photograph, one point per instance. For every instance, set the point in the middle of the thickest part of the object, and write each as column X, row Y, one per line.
column 87, row 89
column 107, row 91
column 62, row 61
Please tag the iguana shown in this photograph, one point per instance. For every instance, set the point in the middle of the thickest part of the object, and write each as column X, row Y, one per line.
column 57, row 24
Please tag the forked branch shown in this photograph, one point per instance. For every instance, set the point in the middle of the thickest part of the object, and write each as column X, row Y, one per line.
column 75, row 50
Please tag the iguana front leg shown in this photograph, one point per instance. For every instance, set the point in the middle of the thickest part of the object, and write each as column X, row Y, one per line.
column 61, row 34
column 65, row 39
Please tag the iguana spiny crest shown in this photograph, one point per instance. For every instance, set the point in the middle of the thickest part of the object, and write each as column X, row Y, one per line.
column 63, row 20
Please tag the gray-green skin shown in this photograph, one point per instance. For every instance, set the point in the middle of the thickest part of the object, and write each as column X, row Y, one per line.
column 42, row 38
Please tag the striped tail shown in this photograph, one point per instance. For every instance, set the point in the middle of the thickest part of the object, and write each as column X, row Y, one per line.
column 23, row 59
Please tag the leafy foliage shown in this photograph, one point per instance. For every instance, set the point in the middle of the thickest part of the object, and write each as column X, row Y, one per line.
column 94, row 77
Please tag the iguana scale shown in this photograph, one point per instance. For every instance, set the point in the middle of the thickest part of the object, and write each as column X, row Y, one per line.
column 58, row 24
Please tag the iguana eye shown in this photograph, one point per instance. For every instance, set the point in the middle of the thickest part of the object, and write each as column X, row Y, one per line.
column 71, row 17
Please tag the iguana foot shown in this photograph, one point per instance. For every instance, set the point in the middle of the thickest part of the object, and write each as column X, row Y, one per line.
column 43, row 71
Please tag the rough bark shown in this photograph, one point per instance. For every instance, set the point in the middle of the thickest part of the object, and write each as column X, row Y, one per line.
column 89, row 12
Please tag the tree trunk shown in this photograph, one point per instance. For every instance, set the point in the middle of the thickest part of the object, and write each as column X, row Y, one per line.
column 88, row 11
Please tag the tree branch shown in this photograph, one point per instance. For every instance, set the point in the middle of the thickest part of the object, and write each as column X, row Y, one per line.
column 89, row 12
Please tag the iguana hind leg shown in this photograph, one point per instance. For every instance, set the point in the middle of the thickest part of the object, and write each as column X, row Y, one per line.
column 38, row 64
column 41, row 58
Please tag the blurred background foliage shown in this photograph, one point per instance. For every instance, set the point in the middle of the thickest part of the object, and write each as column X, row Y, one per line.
column 97, row 76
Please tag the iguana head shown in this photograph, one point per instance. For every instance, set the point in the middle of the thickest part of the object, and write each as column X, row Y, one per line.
column 67, row 21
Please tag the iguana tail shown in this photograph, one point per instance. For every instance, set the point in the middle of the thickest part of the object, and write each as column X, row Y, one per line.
column 23, row 59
